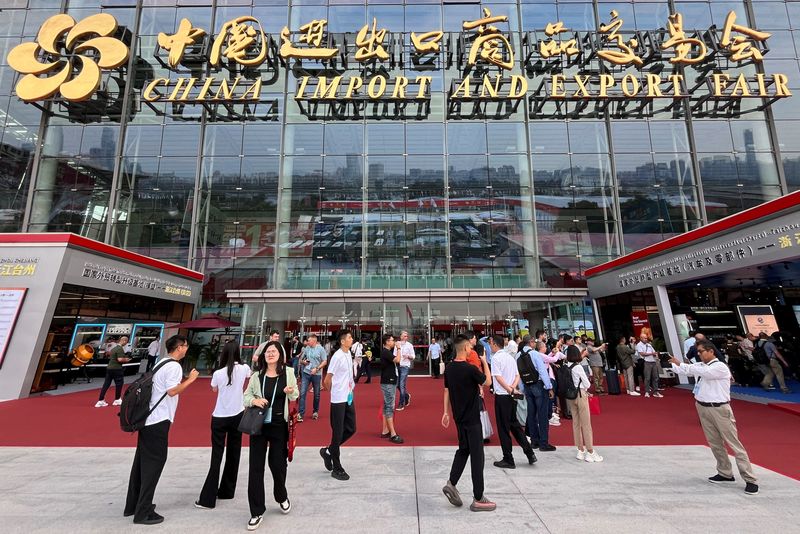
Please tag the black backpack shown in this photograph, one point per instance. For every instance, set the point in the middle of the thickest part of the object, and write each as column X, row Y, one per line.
column 135, row 407
column 527, row 372
column 760, row 354
column 566, row 383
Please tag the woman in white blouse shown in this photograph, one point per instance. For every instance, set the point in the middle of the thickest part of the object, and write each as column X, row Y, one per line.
column 228, row 383
column 579, row 406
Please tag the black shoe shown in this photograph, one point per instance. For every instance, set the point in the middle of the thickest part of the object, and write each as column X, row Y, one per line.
column 547, row 448
column 396, row 439
column 531, row 457
column 535, row 444
column 154, row 519
column 502, row 464
column 326, row 458
column 486, row 440
column 128, row 514
column 751, row 489
column 340, row 474
column 386, row 436
column 716, row 479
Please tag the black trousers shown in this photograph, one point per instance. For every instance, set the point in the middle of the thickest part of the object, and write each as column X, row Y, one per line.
column 505, row 414
column 151, row 361
column 275, row 438
column 225, row 439
column 364, row 369
column 118, row 376
column 435, row 366
column 470, row 445
column 148, row 462
column 343, row 426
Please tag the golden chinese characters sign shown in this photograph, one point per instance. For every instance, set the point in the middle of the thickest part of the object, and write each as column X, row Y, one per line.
column 241, row 61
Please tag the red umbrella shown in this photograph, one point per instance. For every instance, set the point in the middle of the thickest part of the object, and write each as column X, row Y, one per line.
column 207, row 322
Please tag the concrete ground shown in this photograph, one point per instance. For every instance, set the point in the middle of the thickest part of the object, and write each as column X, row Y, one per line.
column 398, row 490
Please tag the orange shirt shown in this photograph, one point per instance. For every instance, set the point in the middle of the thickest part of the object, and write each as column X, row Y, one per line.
column 475, row 360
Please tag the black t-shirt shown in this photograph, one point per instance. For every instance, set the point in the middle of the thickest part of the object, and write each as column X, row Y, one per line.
column 388, row 367
column 462, row 380
column 268, row 387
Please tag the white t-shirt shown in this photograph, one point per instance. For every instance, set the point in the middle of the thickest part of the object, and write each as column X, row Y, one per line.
column 163, row 380
column 230, row 398
column 504, row 364
column 512, row 347
column 435, row 350
column 154, row 348
column 645, row 348
column 342, row 381
column 407, row 354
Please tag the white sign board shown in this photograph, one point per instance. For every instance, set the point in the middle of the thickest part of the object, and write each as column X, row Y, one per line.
column 10, row 304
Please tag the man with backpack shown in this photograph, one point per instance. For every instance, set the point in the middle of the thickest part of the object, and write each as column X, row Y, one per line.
column 538, row 395
column 506, row 377
column 769, row 360
column 152, row 443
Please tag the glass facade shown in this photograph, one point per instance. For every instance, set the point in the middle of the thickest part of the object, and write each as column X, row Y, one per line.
column 524, row 200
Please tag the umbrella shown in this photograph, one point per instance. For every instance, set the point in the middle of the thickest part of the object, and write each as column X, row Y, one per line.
column 207, row 322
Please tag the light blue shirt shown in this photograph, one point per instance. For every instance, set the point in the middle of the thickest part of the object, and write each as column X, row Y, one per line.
column 538, row 363
column 486, row 349
column 315, row 357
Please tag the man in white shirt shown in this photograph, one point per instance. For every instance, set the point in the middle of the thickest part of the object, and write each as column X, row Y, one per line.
column 712, row 394
column 646, row 351
column 435, row 355
column 151, row 446
column 153, row 350
column 340, row 382
column 512, row 347
column 506, row 379
column 407, row 356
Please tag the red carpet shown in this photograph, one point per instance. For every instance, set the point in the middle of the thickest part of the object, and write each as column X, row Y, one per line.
column 788, row 407
column 772, row 437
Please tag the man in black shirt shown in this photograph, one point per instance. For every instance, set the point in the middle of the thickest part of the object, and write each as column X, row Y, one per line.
column 389, row 363
column 462, row 382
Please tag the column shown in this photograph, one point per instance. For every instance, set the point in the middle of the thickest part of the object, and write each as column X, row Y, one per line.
column 668, row 324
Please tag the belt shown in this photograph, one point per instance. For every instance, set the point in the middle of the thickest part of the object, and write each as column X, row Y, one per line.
column 712, row 404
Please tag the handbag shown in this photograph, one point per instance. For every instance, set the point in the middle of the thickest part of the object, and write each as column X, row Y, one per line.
column 292, row 443
column 252, row 421
column 486, row 423
column 441, row 368
column 594, row 405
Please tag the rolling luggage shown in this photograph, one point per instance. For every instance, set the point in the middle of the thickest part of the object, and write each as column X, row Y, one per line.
column 612, row 382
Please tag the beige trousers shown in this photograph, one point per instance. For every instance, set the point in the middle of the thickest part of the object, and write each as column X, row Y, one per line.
column 630, row 381
column 597, row 376
column 771, row 372
column 719, row 425
column 581, row 421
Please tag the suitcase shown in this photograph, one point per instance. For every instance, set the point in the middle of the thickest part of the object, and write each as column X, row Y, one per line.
column 612, row 382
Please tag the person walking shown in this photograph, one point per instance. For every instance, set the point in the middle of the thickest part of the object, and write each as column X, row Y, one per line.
column 228, row 383
column 462, row 381
column 340, row 382
column 712, row 393
column 313, row 359
column 506, row 378
column 538, row 396
column 773, row 369
column 625, row 361
column 271, row 388
column 407, row 356
column 153, row 352
column 389, row 361
column 153, row 439
column 579, row 406
column 435, row 356
column 364, row 365
column 114, row 372
column 646, row 351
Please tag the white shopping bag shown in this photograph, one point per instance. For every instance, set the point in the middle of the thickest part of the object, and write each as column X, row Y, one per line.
column 486, row 423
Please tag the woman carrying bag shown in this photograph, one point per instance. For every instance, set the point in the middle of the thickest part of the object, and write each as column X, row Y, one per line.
column 270, row 389
column 579, row 406
column 228, row 383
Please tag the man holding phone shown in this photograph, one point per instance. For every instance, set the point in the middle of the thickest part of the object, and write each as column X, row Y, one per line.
column 115, row 372
column 313, row 360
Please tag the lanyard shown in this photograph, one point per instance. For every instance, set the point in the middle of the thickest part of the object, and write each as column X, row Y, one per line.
column 268, row 417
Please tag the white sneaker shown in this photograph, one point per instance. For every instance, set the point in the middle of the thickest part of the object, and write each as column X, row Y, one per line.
column 286, row 506
column 634, row 394
column 593, row 457
column 100, row 404
column 646, row 395
column 554, row 422
column 581, row 455
column 658, row 395
column 637, row 388
column 117, row 402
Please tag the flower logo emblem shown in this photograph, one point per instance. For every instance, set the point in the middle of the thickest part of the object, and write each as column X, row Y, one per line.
column 72, row 55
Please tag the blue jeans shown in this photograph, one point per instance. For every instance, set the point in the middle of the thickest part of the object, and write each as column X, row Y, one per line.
column 316, row 381
column 538, row 408
column 401, row 384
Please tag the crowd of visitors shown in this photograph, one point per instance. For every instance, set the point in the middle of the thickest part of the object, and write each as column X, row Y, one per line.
column 535, row 383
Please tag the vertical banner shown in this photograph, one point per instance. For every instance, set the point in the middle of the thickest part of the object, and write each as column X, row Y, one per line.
column 641, row 324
